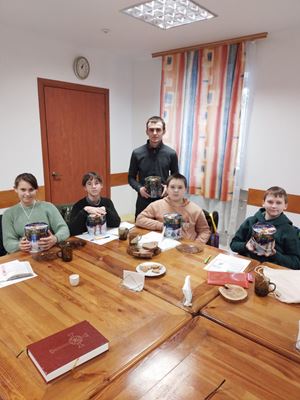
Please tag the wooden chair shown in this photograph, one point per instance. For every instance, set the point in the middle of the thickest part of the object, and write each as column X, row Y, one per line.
column 2, row 249
column 255, row 198
column 65, row 210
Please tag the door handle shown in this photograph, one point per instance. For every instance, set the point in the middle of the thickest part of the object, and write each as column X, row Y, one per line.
column 56, row 174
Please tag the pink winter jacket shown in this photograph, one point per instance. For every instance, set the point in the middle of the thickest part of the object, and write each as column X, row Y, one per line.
column 194, row 225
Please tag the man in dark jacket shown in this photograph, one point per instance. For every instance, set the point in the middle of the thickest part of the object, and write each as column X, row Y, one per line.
column 152, row 159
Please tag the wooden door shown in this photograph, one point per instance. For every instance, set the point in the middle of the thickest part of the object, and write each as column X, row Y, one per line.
column 75, row 137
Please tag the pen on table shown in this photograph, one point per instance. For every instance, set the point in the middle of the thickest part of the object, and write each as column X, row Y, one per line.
column 207, row 259
column 100, row 238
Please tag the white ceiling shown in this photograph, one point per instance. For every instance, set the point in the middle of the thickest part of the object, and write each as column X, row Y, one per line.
column 80, row 22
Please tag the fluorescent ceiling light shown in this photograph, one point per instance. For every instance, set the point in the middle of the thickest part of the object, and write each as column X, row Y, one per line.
column 167, row 14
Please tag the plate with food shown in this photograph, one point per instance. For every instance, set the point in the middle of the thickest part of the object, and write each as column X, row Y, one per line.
column 151, row 268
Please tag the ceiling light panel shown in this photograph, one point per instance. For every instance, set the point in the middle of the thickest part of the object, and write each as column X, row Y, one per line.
column 167, row 14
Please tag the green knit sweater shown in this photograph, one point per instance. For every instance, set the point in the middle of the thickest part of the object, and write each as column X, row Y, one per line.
column 14, row 220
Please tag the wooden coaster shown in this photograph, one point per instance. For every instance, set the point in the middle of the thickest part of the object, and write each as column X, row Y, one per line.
column 142, row 253
column 233, row 293
column 190, row 248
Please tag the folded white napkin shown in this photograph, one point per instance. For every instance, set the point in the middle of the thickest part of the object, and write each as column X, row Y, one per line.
column 298, row 339
column 287, row 284
column 187, row 292
column 133, row 280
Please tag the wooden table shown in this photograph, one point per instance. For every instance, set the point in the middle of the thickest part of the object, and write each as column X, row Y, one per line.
column 113, row 258
column 134, row 322
column 197, row 359
column 265, row 320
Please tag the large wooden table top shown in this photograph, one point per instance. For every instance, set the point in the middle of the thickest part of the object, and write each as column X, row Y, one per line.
column 135, row 323
column 197, row 359
column 265, row 320
column 113, row 258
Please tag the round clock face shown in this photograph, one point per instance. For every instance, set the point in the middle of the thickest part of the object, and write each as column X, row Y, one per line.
column 81, row 67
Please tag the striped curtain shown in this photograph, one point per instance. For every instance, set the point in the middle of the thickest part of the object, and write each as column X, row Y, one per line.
column 201, row 95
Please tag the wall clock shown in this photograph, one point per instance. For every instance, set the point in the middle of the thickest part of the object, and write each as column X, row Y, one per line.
column 81, row 67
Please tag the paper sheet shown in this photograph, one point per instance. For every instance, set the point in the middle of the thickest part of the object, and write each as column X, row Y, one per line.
column 226, row 263
column 115, row 231
column 98, row 239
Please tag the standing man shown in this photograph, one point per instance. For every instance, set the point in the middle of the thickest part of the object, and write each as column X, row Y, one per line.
column 153, row 158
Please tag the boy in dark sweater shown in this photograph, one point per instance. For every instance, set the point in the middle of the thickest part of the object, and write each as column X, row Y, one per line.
column 92, row 204
column 286, row 251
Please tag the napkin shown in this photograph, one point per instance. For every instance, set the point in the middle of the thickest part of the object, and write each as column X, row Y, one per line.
column 287, row 284
column 298, row 339
column 133, row 281
column 187, row 292
column 163, row 242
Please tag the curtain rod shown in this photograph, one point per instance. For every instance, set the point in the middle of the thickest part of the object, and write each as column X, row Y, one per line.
column 254, row 36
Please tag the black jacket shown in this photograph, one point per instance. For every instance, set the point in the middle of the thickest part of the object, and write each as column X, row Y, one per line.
column 287, row 243
column 148, row 161
column 78, row 216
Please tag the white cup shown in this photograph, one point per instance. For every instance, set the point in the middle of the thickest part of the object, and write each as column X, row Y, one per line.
column 74, row 279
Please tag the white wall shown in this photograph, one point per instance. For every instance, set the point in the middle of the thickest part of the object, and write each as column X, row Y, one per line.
column 274, row 140
column 26, row 57
column 146, row 100
column 273, row 148
column 146, row 95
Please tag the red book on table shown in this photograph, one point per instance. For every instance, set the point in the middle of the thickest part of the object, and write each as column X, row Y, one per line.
column 235, row 278
column 65, row 350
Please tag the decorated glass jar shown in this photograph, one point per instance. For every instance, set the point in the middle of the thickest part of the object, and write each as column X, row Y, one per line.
column 34, row 232
column 263, row 238
column 96, row 225
column 173, row 225
column 153, row 186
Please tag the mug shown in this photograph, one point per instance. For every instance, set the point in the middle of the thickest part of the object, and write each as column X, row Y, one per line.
column 123, row 233
column 65, row 252
column 263, row 286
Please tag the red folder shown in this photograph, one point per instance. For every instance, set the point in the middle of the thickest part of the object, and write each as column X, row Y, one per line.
column 235, row 278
